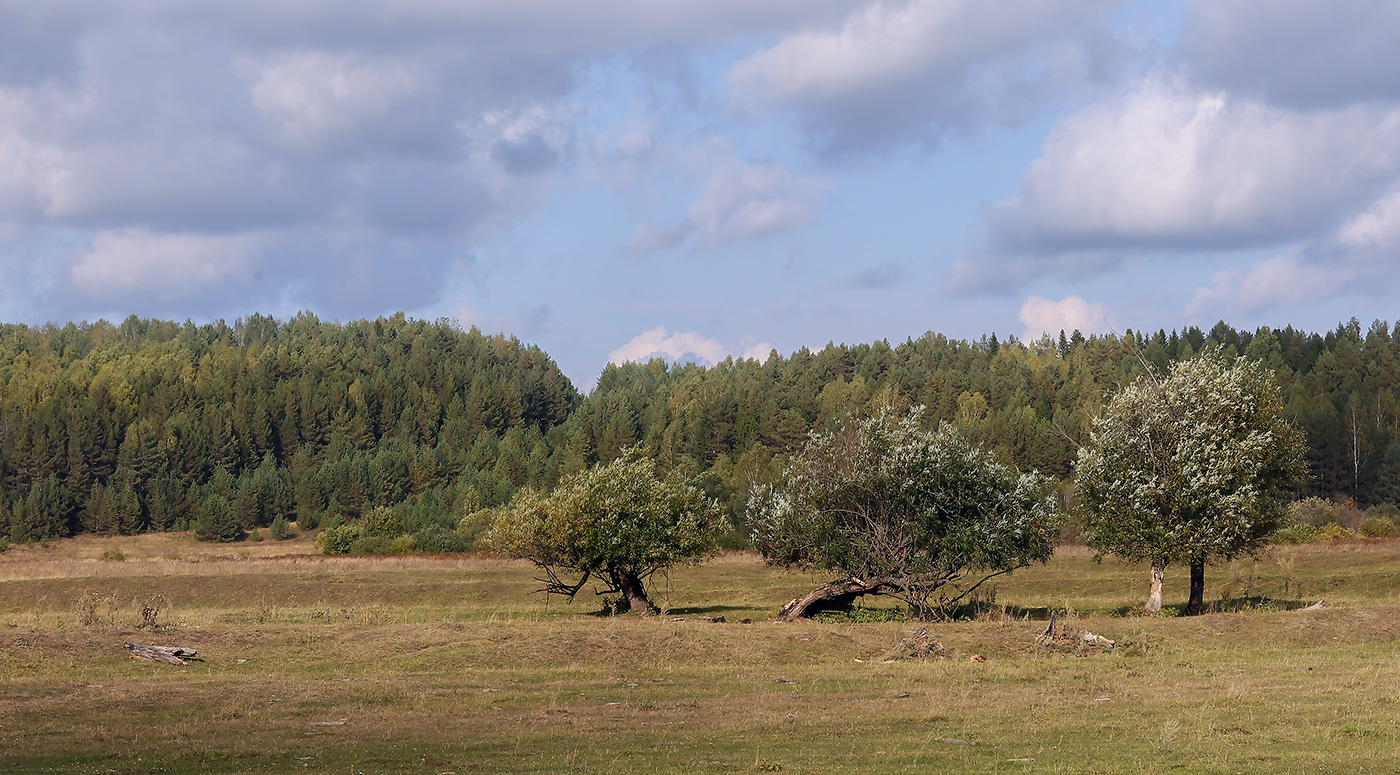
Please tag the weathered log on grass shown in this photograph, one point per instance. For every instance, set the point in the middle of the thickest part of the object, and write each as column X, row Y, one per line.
column 171, row 654
column 836, row 596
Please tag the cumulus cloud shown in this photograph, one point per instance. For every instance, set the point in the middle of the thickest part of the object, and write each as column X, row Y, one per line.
column 370, row 140
column 656, row 343
column 893, row 71
column 118, row 264
column 759, row 352
column 313, row 98
column 740, row 201
column 1376, row 227
column 1171, row 167
column 1296, row 52
column 1282, row 281
column 1043, row 316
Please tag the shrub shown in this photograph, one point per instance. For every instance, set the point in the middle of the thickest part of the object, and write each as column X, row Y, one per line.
column 1377, row 527
column 439, row 539
column 1312, row 511
column 372, row 545
column 113, row 555
column 333, row 520
column 382, row 521
column 338, row 540
column 1335, row 532
column 403, row 545
column 1295, row 534
column 281, row 529
column 473, row 526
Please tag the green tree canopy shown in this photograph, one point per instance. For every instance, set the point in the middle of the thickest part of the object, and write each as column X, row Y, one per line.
column 1187, row 467
column 902, row 511
column 619, row 522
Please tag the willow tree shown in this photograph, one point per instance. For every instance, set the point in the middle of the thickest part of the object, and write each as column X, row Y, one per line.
column 618, row 523
column 895, row 509
column 1187, row 467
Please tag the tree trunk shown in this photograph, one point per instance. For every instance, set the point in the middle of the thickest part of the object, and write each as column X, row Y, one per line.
column 836, row 596
column 1197, row 604
column 1154, row 597
column 634, row 594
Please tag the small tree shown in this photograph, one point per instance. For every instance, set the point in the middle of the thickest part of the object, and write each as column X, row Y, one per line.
column 1187, row 467
column 216, row 521
column 619, row 523
column 901, row 511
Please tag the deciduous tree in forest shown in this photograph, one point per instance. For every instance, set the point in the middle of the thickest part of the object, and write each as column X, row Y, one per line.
column 1187, row 467
column 899, row 510
column 619, row 523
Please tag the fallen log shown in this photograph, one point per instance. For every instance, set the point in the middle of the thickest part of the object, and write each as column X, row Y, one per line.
column 171, row 654
column 1318, row 606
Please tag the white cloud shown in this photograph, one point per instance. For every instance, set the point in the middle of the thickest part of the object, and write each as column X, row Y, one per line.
column 1282, row 281
column 656, row 343
column 740, row 201
column 759, row 352
column 1042, row 316
column 743, row 201
column 1168, row 165
column 890, row 69
column 313, row 96
column 1378, row 226
column 126, row 262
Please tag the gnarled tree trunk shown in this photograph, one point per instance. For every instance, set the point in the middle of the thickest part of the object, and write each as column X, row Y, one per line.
column 634, row 594
column 1154, row 596
column 1197, row 604
column 836, row 596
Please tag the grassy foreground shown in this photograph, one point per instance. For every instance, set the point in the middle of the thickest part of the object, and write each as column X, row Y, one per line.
column 449, row 665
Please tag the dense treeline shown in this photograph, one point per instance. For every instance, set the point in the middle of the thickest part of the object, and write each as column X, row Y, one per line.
column 737, row 421
column 154, row 425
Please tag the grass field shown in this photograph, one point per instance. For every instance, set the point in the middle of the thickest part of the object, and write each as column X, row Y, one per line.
column 450, row 665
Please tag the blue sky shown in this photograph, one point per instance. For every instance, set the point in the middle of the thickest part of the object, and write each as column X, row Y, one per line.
column 704, row 178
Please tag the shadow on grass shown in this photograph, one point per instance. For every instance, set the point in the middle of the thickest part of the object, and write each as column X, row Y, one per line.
column 1235, row 605
column 697, row 610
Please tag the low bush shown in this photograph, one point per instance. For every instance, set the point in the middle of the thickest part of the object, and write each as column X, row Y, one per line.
column 383, row 522
column 1295, row 534
column 1315, row 512
column 338, row 540
column 112, row 555
column 373, row 545
column 1377, row 527
column 439, row 539
column 1335, row 532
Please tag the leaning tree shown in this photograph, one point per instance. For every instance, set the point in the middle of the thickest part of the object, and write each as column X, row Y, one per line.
column 619, row 523
column 1187, row 467
column 895, row 509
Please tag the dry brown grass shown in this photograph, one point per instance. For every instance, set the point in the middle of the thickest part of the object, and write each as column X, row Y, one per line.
column 451, row 665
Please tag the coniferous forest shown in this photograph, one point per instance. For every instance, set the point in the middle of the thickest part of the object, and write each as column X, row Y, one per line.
column 155, row 425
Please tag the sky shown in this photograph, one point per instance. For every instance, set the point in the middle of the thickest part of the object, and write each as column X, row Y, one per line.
column 699, row 179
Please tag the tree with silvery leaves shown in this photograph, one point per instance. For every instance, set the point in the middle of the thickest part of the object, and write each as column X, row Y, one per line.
column 1187, row 467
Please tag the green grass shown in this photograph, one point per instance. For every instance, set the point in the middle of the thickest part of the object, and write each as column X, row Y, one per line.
column 450, row 664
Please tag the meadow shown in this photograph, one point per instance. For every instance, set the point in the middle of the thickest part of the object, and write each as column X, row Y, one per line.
column 449, row 664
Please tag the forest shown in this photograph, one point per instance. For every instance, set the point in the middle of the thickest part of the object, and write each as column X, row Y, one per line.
column 155, row 425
